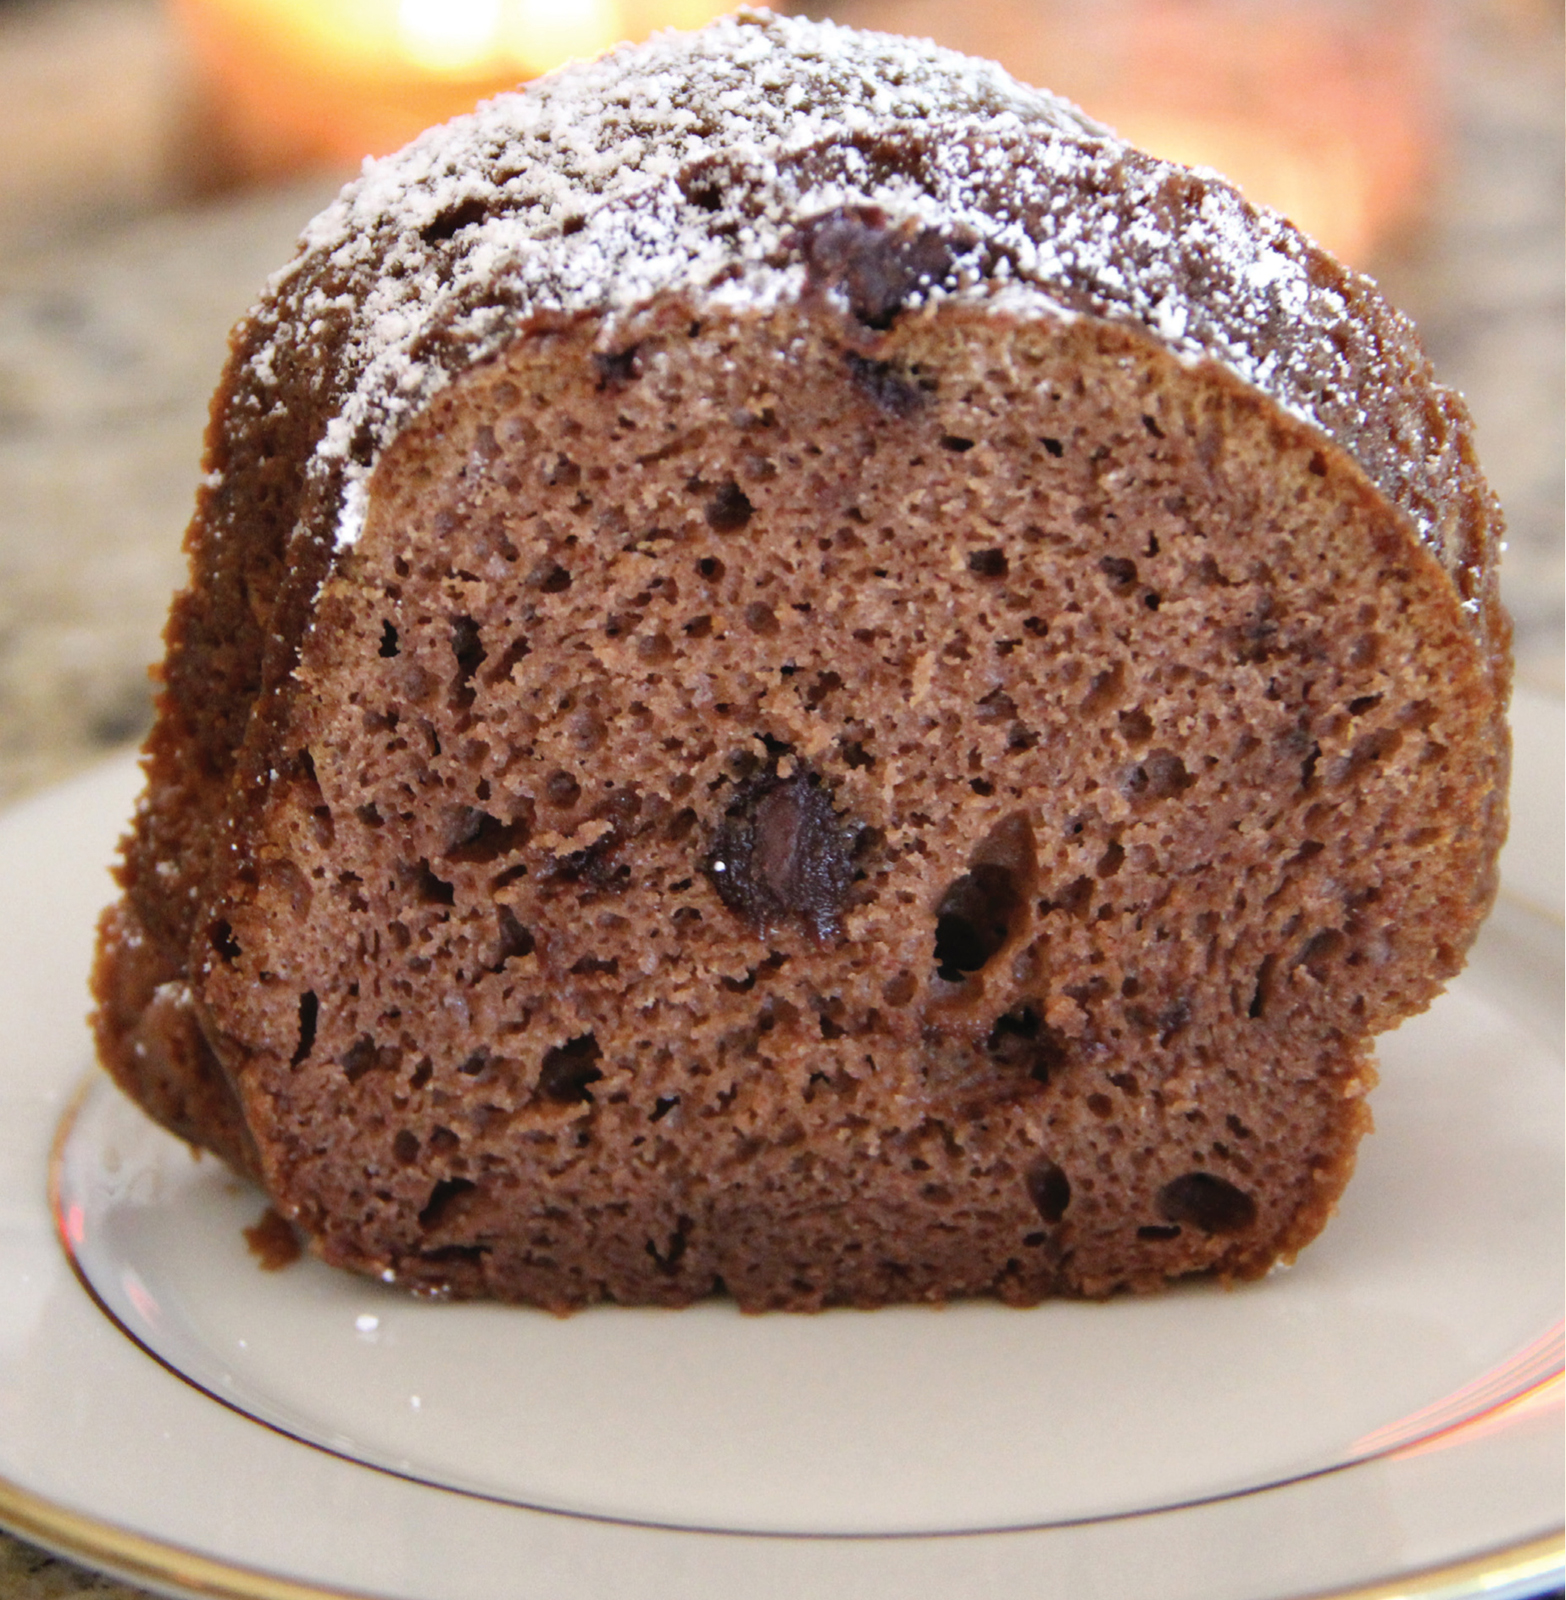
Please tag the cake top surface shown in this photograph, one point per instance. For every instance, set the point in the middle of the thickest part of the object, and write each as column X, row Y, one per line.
column 692, row 163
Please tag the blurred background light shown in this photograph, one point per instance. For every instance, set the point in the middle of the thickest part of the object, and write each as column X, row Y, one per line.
column 1328, row 110
column 293, row 84
column 450, row 36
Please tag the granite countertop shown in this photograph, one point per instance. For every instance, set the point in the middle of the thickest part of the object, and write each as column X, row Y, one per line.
column 110, row 344
column 111, row 335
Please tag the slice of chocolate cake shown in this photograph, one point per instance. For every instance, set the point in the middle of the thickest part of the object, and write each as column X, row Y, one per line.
column 802, row 674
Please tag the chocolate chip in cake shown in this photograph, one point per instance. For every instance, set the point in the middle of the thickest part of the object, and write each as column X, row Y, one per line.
column 856, row 249
column 309, row 1012
column 617, row 366
column 883, row 383
column 782, row 854
column 1020, row 1042
column 729, row 509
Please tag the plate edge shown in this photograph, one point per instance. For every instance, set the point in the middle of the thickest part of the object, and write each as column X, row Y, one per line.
column 140, row 1559
column 1534, row 1561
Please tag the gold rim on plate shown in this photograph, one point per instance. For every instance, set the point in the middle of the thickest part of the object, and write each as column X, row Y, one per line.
column 140, row 1559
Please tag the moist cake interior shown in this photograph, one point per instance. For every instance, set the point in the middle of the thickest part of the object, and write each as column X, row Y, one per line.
column 848, row 816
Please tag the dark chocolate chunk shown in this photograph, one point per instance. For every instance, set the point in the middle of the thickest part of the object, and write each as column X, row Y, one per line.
column 729, row 510
column 618, row 366
column 782, row 854
column 885, row 385
column 877, row 266
column 599, row 869
column 1020, row 1042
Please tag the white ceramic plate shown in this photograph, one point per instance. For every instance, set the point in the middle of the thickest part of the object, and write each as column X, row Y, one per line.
column 1383, row 1418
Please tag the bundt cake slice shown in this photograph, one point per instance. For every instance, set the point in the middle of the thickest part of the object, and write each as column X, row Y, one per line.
column 803, row 675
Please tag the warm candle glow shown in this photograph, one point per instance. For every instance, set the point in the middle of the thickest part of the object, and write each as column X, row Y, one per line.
column 1327, row 110
column 541, row 33
column 458, row 36
column 305, row 82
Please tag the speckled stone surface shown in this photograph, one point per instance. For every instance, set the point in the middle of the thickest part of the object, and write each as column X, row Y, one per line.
column 111, row 338
column 1485, row 287
column 109, row 347
column 27, row 1573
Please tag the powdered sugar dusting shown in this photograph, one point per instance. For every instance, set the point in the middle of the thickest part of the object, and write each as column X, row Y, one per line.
column 690, row 163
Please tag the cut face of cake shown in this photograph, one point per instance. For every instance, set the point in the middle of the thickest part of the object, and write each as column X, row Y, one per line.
column 850, row 694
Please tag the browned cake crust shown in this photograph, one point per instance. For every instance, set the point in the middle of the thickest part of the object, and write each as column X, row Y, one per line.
column 853, row 693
